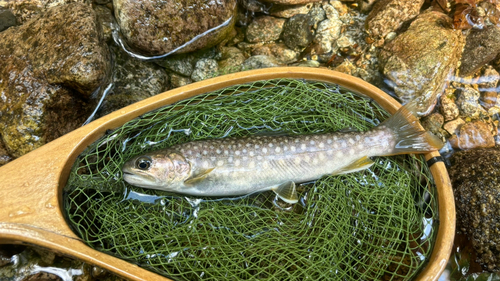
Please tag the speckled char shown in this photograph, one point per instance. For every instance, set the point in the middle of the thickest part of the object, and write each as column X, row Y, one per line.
column 246, row 165
column 157, row 27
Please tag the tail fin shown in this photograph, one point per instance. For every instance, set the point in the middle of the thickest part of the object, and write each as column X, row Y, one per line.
column 410, row 136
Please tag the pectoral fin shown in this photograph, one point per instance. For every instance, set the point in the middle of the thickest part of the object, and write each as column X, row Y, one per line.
column 287, row 192
column 198, row 177
column 358, row 165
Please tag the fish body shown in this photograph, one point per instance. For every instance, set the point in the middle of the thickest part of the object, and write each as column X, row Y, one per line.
column 238, row 166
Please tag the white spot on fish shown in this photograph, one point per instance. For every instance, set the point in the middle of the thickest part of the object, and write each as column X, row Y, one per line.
column 189, row 152
column 251, row 153
column 312, row 142
column 213, row 158
column 245, row 158
column 321, row 145
column 292, row 148
column 251, row 165
column 338, row 154
column 248, row 145
column 315, row 161
column 329, row 152
column 321, row 156
column 307, row 158
column 205, row 152
column 303, row 146
column 297, row 140
column 195, row 147
column 220, row 163
column 226, row 152
column 257, row 146
column 230, row 159
column 297, row 160
column 237, row 152
column 259, row 157
column 237, row 162
column 358, row 137
column 218, row 151
column 351, row 141
column 264, row 150
column 344, row 144
column 277, row 149
column 285, row 148
column 271, row 145
column 206, row 164
column 329, row 141
column 244, row 151
column 335, row 145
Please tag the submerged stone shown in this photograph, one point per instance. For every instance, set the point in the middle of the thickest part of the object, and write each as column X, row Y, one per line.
column 264, row 29
column 49, row 68
column 27, row 9
column 482, row 46
column 389, row 15
column 475, row 177
column 7, row 19
column 158, row 27
column 418, row 61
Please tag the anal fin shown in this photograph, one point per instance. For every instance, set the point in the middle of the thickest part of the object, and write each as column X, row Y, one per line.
column 358, row 165
column 287, row 192
column 198, row 177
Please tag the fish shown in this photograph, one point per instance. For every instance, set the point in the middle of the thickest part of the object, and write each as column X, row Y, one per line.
column 239, row 166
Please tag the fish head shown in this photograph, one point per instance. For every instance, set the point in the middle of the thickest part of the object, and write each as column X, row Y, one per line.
column 163, row 170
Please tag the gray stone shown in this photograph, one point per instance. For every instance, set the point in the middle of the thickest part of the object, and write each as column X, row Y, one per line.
column 327, row 32
column 231, row 60
column 177, row 80
column 7, row 19
column 157, row 27
column 134, row 80
column 433, row 122
column 468, row 102
column 260, row 61
column 389, row 15
column 264, row 29
column 205, row 68
column 290, row 2
column 481, row 47
column 4, row 159
column 418, row 61
column 279, row 51
column 297, row 32
column 288, row 11
column 254, row 6
column 184, row 64
column 49, row 68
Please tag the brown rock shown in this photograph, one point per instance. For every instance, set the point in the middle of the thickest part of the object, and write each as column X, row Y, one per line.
column 418, row 61
column 158, row 27
column 388, row 15
column 453, row 126
column 433, row 122
column 27, row 9
column 4, row 155
column 49, row 68
column 473, row 135
column 288, row 11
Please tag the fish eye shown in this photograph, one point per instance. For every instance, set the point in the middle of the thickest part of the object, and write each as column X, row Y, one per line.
column 143, row 163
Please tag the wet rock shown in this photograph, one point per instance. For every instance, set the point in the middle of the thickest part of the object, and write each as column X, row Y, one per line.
column 43, row 276
column 389, row 15
column 475, row 177
column 260, row 61
column 468, row 102
column 453, row 126
column 346, row 67
column 365, row 6
column 433, row 122
column 159, row 27
column 204, row 68
column 184, row 64
column 418, row 61
column 328, row 31
column 28, row 9
column 288, row 11
column 297, row 32
column 449, row 108
column 279, row 51
column 231, row 60
column 254, row 6
column 482, row 46
column 106, row 20
column 309, row 63
column 179, row 81
column 264, row 29
column 134, row 80
column 49, row 68
column 487, row 87
column 4, row 156
column 473, row 135
column 7, row 19
column 290, row 2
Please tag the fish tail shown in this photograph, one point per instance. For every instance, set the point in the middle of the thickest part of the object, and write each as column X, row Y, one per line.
column 410, row 136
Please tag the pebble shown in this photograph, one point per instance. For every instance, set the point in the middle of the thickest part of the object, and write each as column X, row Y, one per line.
column 474, row 134
column 453, row 125
column 264, row 29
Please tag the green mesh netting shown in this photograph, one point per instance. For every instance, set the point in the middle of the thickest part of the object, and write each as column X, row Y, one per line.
column 379, row 223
